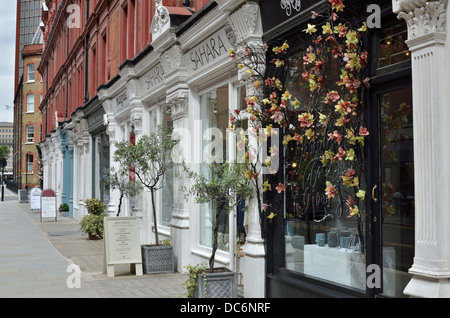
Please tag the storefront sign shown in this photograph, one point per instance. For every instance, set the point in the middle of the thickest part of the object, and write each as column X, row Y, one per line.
column 122, row 244
column 48, row 205
column 122, row 99
column 275, row 12
column 291, row 6
column 35, row 199
column 210, row 50
column 154, row 78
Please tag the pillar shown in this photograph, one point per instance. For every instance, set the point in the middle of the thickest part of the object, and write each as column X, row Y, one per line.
column 247, row 26
column 427, row 32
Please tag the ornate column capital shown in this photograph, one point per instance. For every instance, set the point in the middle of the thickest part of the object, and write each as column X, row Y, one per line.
column 423, row 18
column 179, row 107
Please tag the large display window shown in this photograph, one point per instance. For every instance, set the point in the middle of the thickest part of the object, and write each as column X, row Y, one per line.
column 214, row 109
column 348, row 202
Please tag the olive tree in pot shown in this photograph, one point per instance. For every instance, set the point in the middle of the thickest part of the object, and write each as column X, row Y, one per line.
column 224, row 186
column 151, row 159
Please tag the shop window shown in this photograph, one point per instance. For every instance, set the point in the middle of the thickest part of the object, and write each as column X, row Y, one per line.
column 101, row 167
column 167, row 190
column 392, row 46
column 323, row 238
column 214, row 117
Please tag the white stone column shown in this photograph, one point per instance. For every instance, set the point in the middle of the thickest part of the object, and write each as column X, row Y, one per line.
column 427, row 33
column 180, row 216
column 113, row 193
column 247, row 26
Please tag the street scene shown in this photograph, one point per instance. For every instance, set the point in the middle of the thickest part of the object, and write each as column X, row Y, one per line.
column 226, row 149
column 36, row 258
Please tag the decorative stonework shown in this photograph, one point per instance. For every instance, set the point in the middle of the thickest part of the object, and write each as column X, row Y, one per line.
column 161, row 19
column 245, row 22
column 179, row 108
column 425, row 18
column 172, row 59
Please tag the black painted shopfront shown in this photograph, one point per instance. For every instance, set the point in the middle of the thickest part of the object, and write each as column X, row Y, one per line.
column 314, row 249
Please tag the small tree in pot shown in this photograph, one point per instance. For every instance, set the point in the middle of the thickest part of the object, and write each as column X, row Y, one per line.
column 151, row 159
column 224, row 186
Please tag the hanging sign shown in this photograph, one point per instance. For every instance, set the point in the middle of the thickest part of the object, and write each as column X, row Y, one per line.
column 122, row 244
column 48, row 205
column 35, row 199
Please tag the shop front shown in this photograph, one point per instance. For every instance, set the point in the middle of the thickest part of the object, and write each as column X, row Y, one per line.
column 348, row 214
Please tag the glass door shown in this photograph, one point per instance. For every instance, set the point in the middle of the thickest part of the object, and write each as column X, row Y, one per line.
column 392, row 201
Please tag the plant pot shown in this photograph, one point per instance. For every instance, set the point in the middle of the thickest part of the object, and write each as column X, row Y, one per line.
column 157, row 259
column 65, row 213
column 93, row 237
column 221, row 284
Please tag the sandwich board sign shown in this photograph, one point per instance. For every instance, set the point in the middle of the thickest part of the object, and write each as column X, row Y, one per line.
column 122, row 244
column 35, row 199
column 48, row 205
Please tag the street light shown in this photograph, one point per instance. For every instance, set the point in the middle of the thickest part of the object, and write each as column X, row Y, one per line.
column 3, row 164
column 26, row 172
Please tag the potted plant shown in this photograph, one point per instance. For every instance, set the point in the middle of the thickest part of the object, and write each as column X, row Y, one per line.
column 92, row 224
column 151, row 159
column 64, row 209
column 224, row 186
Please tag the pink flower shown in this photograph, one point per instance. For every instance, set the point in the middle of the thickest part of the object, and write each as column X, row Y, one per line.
column 306, row 119
column 363, row 131
column 297, row 137
column 332, row 96
column 277, row 116
column 330, row 190
column 340, row 155
column 335, row 136
column 280, row 188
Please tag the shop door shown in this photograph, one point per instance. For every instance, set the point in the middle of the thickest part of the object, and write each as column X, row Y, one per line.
column 391, row 219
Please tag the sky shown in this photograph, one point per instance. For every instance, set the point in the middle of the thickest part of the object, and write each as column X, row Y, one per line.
column 7, row 59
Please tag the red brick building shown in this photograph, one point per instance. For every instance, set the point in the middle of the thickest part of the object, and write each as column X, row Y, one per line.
column 81, row 55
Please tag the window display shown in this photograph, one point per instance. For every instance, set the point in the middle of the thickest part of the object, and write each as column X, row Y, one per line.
column 214, row 114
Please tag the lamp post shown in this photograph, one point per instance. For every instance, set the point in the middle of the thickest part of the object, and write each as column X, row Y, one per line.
column 26, row 172
column 3, row 164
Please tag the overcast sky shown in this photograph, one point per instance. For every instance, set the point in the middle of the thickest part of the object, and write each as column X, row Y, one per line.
column 7, row 60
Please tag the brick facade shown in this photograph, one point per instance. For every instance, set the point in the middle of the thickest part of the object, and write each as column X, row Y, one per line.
column 27, row 120
column 109, row 33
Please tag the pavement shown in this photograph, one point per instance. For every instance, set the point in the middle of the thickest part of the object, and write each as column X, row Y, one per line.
column 35, row 257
